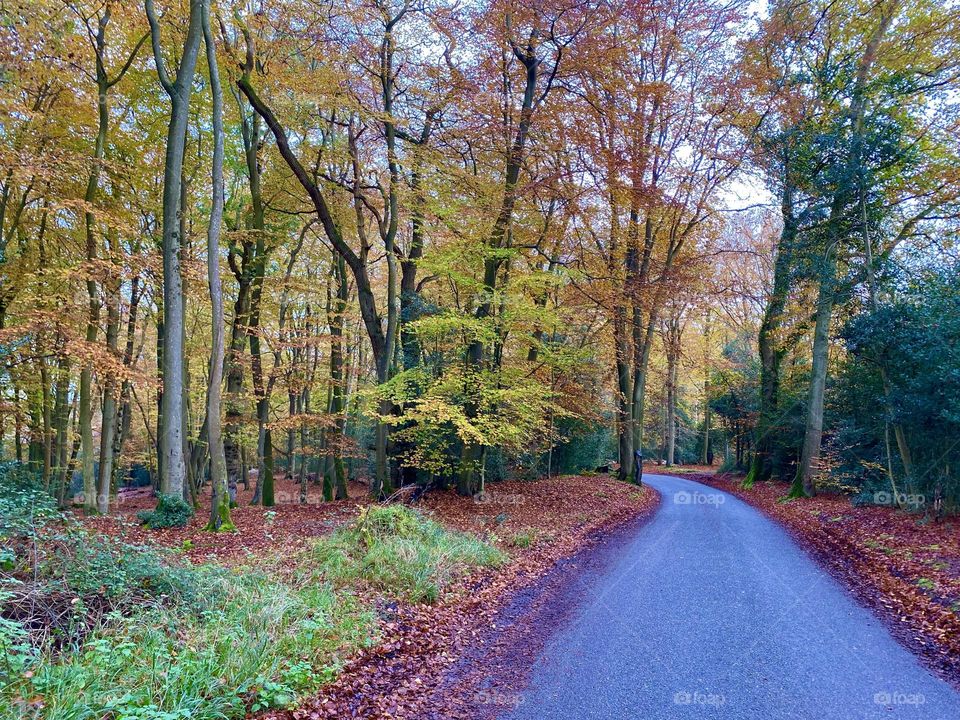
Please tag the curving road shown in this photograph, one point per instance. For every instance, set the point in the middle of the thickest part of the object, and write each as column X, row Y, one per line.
column 712, row 611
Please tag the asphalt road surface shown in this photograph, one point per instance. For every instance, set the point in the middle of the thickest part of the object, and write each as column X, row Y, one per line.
column 712, row 611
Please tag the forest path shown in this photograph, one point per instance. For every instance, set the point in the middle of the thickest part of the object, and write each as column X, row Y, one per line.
column 712, row 611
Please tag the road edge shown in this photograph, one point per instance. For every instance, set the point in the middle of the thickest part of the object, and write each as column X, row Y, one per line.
column 867, row 594
column 489, row 679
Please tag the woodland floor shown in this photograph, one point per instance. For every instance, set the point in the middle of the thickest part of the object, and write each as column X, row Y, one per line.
column 434, row 661
column 422, row 665
column 897, row 563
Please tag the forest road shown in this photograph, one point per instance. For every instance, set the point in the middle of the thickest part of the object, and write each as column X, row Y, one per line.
column 712, row 611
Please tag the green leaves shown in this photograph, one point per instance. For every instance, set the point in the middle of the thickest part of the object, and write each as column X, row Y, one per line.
column 171, row 511
column 24, row 504
column 912, row 341
column 508, row 409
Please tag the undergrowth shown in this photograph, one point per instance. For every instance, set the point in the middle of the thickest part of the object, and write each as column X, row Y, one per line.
column 93, row 628
column 400, row 552
column 171, row 511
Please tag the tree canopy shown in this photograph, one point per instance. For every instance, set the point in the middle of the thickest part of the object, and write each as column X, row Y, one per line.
column 434, row 244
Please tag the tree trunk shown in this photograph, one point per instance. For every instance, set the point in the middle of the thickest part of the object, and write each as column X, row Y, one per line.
column 771, row 349
column 234, row 415
column 90, row 503
column 469, row 479
column 643, row 330
column 264, row 490
column 61, row 422
column 810, row 455
column 384, row 480
column 671, row 410
column 108, row 424
column 68, row 453
column 293, row 409
column 234, row 362
column 706, row 457
column 46, row 414
column 673, row 355
column 173, row 462
column 156, row 481
column 624, row 392
column 409, row 296
column 335, row 481
column 304, row 439
column 125, row 410
column 219, row 488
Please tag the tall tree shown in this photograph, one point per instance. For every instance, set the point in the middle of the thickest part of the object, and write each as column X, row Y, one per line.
column 220, row 491
column 537, row 39
column 178, row 88
column 97, row 490
column 357, row 262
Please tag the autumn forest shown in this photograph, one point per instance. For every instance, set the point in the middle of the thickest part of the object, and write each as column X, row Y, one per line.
column 264, row 255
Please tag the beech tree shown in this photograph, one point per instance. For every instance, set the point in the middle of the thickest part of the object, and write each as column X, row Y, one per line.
column 425, row 243
column 671, row 89
column 179, row 88
column 220, row 504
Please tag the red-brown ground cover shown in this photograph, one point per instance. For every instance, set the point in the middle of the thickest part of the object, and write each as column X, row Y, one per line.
column 413, row 673
column 416, row 670
column 287, row 526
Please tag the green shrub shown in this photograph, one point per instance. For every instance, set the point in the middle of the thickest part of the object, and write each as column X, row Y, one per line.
column 15, row 647
column 91, row 564
column 399, row 551
column 171, row 511
column 71, row 583
column 24, row 504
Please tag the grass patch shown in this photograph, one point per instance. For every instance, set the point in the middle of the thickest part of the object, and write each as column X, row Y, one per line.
column 876, row 545
column 258, row 644
column 95, row 629
column 523, row 539
column 400, row 552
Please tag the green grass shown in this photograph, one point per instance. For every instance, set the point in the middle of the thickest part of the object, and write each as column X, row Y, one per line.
column 400, row 552
column 523, row 539
column 151, row 637
column 262, row 646
column 177, row 641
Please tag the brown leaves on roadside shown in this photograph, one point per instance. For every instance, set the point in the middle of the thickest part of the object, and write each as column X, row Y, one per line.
column 408, row 674
column 412, row 673
column 286, row 526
